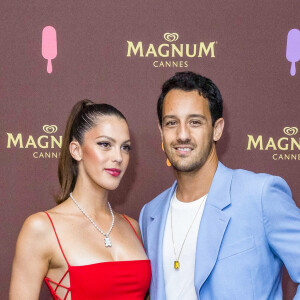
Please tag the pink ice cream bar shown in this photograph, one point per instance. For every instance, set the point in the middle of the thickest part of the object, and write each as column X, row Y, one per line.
column 49, row 45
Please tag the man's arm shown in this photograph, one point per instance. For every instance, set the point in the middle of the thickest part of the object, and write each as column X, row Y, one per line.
column 281, row 219
column 141, row 222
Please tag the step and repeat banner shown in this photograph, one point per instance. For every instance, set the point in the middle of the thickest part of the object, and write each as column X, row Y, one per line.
column 54, row 53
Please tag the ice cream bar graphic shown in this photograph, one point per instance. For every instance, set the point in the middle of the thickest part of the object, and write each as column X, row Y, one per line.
column 293, row 49
column 49, row 45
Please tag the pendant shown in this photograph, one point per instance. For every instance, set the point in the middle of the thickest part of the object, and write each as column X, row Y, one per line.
column 176, row 264
column 107, row 242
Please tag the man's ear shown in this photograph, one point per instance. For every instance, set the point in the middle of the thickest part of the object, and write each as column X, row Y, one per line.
column 218, row 129
column 160, row 130
column 162, row 144
column 75, row 150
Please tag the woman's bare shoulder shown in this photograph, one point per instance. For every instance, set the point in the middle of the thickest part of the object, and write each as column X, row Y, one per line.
column 63, row 208
column 134, row 223
column 37, row 224
column 35, row 236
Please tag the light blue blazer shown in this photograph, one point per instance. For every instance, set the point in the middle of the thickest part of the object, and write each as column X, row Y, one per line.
column 250, row 227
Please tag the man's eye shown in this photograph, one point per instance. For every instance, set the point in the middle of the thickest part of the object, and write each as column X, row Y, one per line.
column 171, row 123
column 104, row 144
column 195, row 122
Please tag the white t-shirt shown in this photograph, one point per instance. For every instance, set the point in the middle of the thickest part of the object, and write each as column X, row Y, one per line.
column 179, row 284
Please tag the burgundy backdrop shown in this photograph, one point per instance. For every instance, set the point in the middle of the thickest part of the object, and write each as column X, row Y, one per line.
column 117, row 52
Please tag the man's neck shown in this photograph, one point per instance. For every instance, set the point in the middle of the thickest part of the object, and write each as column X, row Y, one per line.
column 194, row 185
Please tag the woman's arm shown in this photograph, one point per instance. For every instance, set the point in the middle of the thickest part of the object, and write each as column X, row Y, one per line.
column 31, row 260
column 147, row 297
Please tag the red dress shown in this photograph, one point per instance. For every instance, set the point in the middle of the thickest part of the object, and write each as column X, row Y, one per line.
column 116, row 280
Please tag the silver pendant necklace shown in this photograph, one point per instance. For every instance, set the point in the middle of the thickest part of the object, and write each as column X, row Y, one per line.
column 107, row 240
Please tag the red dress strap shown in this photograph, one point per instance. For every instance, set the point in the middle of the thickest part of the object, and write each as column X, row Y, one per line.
column 133, row 229
column 57, row 238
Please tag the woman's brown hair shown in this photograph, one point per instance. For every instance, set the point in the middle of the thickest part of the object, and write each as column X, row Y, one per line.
column 82, row 118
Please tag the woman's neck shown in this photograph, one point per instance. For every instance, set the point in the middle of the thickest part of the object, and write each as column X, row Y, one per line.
column 91, row 197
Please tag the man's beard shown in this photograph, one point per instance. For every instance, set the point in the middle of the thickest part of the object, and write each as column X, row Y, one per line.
column 192, row 166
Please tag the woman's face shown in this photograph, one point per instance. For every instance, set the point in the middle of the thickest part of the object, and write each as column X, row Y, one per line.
column 105, row 152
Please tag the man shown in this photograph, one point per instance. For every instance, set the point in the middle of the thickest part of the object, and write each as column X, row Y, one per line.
column 216, row 233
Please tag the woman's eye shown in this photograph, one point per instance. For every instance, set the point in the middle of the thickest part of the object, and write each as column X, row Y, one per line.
column 127, row 148
column 104, row 144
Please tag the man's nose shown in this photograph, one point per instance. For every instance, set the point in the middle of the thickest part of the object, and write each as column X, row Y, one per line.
column 183, row 132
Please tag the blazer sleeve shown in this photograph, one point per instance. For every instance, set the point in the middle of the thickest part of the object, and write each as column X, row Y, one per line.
column 141, row 222
column 281, row 219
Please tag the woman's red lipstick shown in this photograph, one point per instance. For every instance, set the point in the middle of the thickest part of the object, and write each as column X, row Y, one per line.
column 113, row 172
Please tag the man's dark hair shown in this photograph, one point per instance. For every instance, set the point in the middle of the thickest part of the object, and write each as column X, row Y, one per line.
column 189, row 81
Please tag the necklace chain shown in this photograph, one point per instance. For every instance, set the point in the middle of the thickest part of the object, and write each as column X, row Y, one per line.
column 106, row 239
column 176, row 262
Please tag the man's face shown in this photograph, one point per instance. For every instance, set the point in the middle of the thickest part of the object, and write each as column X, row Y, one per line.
column 187, row 132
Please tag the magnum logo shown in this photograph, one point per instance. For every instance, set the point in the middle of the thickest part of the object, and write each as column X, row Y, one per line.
column 171, row 50
column 45, row 141
column 290, row 130
column 171, row 37
column 50, row 128
column 278, row 145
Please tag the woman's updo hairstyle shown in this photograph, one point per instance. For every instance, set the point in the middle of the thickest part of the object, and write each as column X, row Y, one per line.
column 83, row 117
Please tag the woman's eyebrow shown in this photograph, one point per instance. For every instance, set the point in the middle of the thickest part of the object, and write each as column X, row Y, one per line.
column 112, row 139
column 107, row 137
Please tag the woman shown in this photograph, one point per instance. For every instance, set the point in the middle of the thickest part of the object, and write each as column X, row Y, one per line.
column 81, row 247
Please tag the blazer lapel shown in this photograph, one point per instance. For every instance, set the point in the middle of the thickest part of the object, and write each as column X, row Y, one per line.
column 213, row 225
column 155, row 232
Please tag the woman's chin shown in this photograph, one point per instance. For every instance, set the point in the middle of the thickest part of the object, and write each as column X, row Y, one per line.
column 111, row 186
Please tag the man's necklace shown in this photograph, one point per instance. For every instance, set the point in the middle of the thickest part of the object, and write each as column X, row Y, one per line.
column 107, row 240
column 176, row 261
